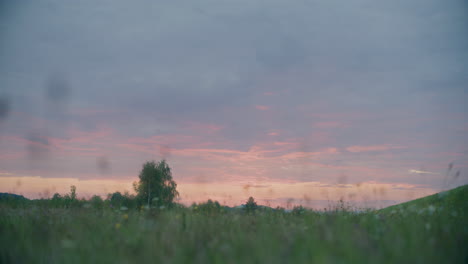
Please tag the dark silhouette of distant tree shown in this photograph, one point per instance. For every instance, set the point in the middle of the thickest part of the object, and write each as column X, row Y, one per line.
column 96, row 202
column 208, row 207
column 68, row 200
column 117, row 200
column 251, row 205
column 73, row 192
column 156, row 186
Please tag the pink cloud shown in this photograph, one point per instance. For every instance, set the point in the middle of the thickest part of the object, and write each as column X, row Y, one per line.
column 203, row 127
column 83, row 143
column 138, row 148
column 11, row 156
column 321, row 137
column 288, row 144
column 329, row 124
column 79, row 136
column 262, row 107
column 356, row 149
column 17, row 139
column 274, row 132
column 75, row 143
column 303, row 154
column 161, row 139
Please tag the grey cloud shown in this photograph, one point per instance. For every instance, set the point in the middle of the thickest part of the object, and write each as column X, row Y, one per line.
column 4, row 107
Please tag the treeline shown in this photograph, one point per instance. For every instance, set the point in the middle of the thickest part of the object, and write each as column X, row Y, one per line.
column 117, row 200
column 70, row 200
column 126, row 201
column 155, row 190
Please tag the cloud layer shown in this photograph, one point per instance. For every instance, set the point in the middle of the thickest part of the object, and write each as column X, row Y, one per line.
column 235, row 92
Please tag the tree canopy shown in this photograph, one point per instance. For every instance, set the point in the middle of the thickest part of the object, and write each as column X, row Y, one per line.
column 251, row 205
column 156, row 186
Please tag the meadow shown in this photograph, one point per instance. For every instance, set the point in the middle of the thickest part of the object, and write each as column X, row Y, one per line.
column 433, row 229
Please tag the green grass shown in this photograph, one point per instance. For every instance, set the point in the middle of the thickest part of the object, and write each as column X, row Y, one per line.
column 454, row 199
column 433, row 229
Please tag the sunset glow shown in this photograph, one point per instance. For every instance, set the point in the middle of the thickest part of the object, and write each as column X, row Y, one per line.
column 240, row 106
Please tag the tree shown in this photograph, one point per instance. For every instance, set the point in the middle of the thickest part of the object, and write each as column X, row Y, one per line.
column 156, row 187
column 96, row 202
column 73, row 192
column 116, row 199
column 251, row 205
column 70, row 199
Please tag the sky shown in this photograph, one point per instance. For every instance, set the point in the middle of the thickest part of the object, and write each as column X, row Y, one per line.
column 292, row 102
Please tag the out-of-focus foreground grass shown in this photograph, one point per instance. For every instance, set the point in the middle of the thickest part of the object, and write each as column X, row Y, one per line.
column 424, row 231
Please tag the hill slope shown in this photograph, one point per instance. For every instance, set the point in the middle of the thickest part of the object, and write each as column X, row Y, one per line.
column 456, row 198
column 11, row 196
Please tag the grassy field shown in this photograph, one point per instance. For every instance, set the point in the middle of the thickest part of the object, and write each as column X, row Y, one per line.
column 428, row 230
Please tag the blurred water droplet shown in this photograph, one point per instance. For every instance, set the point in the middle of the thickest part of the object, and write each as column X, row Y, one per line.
column 103, row 165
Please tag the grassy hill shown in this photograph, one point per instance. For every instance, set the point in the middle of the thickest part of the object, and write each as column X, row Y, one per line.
column 12, row 200
column 11, row 197
column 454, row 199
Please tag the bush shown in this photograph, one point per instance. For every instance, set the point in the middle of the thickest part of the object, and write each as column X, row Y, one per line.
column 298, row 210
column 208, row 207
column 118, row 200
